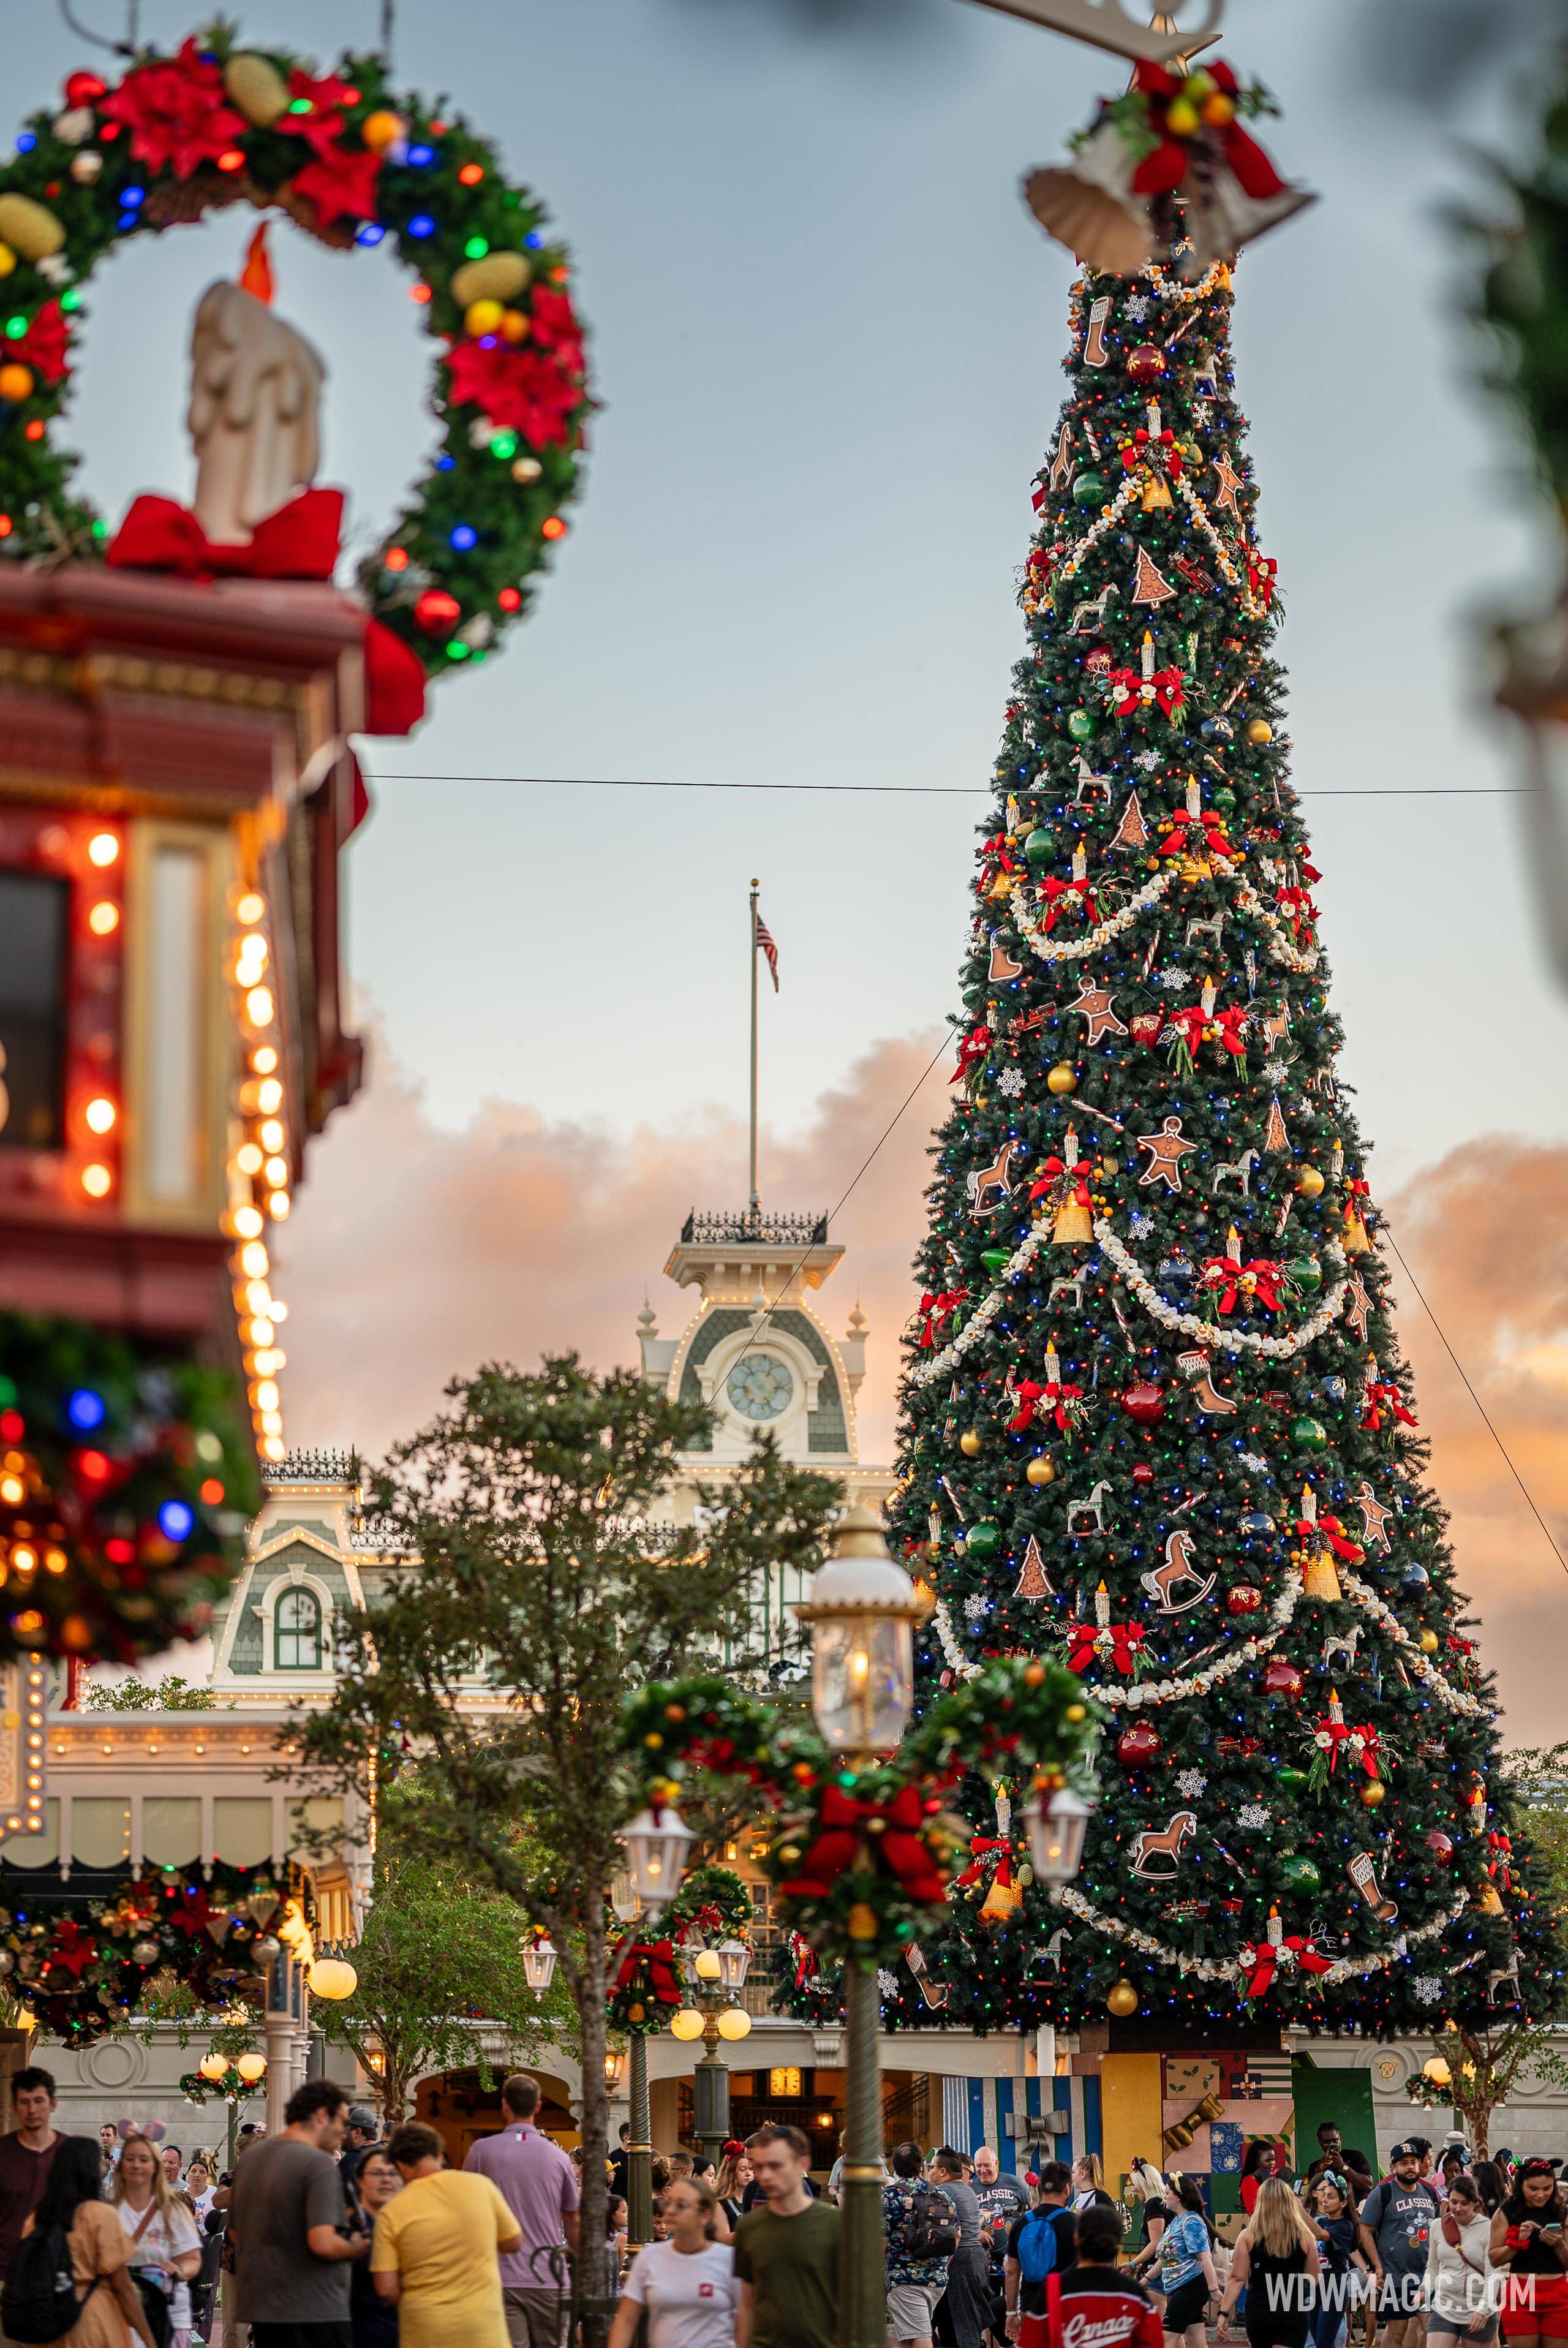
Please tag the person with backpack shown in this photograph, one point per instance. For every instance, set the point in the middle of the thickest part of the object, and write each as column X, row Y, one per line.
column 69, row 2279
column 922, row 2231
column 1091, row 2302
column 1041, row 2243
column 967, row 2299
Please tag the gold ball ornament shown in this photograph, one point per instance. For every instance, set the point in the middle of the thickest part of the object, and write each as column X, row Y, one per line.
column 1260, row 731
column 969, row 1443
column 382, row 130
column 1063, row 1078
column 29, row 228
column 1075, row 1713
column 257, row 89
column 1309, row 1183
column 16, row 381
column 1040, row 1471
column 1374, row 1794
column 1122, row 1999
column 484, row 316
column 493, row 277
column 513, row 325
column 1428, row 1642
column 7, row 261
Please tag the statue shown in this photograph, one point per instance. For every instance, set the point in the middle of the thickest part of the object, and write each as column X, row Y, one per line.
column 255, row 392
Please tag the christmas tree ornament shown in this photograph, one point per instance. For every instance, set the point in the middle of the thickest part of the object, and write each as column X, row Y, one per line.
column 1121, row 1999
column 1374, row 1794
column 1033, row 1580
column 1166, row 1150
column 1178, row 1572
column 971, row 1443
column 1428, row 1642
column 983, row 1542
column 1144, row 1402
column 1040, row 1470
column 1040, row 846
column 1309, row 1183
column 1243, row 1598
column 1137, row 1745
column 1088, row 490
column 1083, row 725
column 1363, row 1875
column 1062, row 1078
column 1441, row 1845
column 1309, row 1435
column 1148, row 586
column 1282, row 1678
column 1299, row 1874
column 1156, row 1851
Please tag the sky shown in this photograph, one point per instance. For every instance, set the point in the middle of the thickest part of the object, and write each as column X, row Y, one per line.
column 826, row 339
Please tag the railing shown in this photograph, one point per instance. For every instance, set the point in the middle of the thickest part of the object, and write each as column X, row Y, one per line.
column 708, row 1229
column 313, row 1468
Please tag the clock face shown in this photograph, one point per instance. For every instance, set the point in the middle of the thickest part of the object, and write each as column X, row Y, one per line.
column 760, row 1387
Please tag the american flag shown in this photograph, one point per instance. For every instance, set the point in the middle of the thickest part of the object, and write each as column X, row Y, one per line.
column 764, row 940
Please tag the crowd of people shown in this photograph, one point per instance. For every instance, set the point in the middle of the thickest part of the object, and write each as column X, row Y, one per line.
column 328, row 2236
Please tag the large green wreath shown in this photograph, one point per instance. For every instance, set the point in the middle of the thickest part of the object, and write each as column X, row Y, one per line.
column 213, row 126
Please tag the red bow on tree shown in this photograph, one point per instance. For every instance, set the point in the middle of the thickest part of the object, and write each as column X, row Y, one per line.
column 1054, row 890
column 884, row 1834
column 1500, row 1866
column 1167, row 686
column 1463, row 1648
column 1363, row 1741
column 1124, row 1640
column 938, row 1311
column 73, row 1951
column 1260, row 1279
column 659, row 1958
column 1260, row 573
column 1228, row 1026
column 299, row 541
column 1166, row 167
column 1177, row 842
column 1052, row 1173
column 1384, row 1401
column 1267, row 1956
column 1161, row 443
column 996, row 845
column 1058, row 1396
column 973, row 1048
column 1333, row 1531
column 982, row 1848
column 45, row 344
column 1184, row 1033
column 1298, row 909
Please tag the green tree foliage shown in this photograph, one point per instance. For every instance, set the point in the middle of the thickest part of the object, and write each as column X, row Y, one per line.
column 533, row 1594
column 170, row 1694
column 1485, row 2062
column 438, row 1956
column 1156, row 1416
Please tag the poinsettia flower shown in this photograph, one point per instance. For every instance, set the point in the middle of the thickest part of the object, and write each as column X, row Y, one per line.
column 342, row 181
column 553, row 325
column 45, row 344
column 326, row 99
column 176, row 111
column 524, row 390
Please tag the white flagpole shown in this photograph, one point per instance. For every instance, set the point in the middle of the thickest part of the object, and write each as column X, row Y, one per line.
column 753, row 942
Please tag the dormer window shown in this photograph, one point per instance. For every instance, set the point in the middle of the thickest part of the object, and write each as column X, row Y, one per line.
column 298, row 1641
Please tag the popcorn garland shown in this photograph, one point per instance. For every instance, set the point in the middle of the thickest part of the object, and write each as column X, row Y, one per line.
column 1190, row 1324
column 1425, row 1671
column 1279, row 948
column 1096, row 531
column 1219, row 1968
column 1195, row 506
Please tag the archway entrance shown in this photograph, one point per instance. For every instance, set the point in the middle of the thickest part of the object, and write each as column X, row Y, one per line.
column 811, row 2098
column 462, row 2109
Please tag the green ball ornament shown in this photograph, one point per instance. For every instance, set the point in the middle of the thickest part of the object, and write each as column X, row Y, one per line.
column 1310, row 1435
column 1040, row 846
column 984, row 1541
column 1088, row 490
column 1299, row 1873
column 1305, row 1270
column 1291, row 1781
column 1083, row 725
column 995, row 1259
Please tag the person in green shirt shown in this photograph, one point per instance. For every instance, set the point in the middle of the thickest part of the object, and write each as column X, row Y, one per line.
column 785, row 2251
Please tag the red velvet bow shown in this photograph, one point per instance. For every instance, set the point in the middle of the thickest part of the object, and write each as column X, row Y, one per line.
column 1463, row 1648
column 1162, row 443
column 1264, row 1961
column 1167, row 686
column 1126, row 1638
column 973, row 1048
column 299, row 541
column 846, row 1839
column 1384, row 1401
column 1298, row 909
column 1078, row 1180
column 982, row 1849
column 1334, row 1533
column 997, row 846
column 939, row 1310
column 659, row 1957
column 1261, row 573
column 1222, row 1273
column 73, row 1949
column 1055, row 1395
column 1228, row 1026
column 1215, row 842
column 1185, row 1032
column 1166, row 167
column 1054, row 890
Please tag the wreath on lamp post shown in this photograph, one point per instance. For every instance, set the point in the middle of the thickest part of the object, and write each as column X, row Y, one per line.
column 179, row 137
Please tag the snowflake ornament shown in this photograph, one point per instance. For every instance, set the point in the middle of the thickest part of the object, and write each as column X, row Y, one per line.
column 1428, row 1988
column 1137, row 308
column 1276, row 1071
column 1011, row 1082
column 1173, row 979
column 1252, row 1814
column 976, row 1607
column 887, row 1983
column 1189, row 1784
column 1148, row 760
column 1140, row 1225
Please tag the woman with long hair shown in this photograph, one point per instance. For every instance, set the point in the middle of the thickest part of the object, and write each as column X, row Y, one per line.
column 165, row 2247
column 1089, row 2184
column 1258, row 2162
column 734, row 2177
column 1146, row 2185
column 1490, row 2185
column 1185, row 2250
column 1459, row 2271
column 1276, row 2263
column 686, row 2283
column 1529, row 2244
column 1332, row 2225
column 110, row 2308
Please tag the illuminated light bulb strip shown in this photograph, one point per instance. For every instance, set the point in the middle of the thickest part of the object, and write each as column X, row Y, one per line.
column 1276, row 944
column 35, row 1695
column 1425, row 1671
column 1191, row 1324
column 1218, row 1968
column 258, row 1170
column 1153, row 1692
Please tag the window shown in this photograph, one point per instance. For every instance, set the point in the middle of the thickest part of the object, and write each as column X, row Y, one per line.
column 33, row 909
column 298, row 1647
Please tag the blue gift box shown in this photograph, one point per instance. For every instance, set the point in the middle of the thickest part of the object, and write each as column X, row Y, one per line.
column 1225, row 2145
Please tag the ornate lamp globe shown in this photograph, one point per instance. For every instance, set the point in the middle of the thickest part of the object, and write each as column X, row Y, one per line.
column 686, row 2024
column 332, row 1977
column 706, row 1968
column 734, row 1964
column 655, row 1843
column 734, row 2024
column 614, row 2067
column 1056, row 1825
column 252, row 2067
column 862, row 1611
column 538, row 1965
column 213, row 2066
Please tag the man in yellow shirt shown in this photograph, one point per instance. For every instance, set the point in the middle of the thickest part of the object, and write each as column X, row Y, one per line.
column 435, row 2253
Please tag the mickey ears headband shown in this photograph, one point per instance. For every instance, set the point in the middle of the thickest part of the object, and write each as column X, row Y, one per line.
column 1538, row 2166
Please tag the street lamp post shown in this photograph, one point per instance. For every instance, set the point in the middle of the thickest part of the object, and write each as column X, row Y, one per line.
column 655, row 1844
column 862, row 1611
column 717, row 1976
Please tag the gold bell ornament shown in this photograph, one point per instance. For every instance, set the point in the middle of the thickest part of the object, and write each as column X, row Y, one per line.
column 1318, row 1578
column 1487, row 1902
column 1073, row 1225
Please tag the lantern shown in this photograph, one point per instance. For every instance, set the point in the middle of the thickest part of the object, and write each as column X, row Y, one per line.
column 655, row 1843
column 734, row 1964
column 538, row 1965
column 252, row 2068
column 1055, row 1829
column 862, row 1611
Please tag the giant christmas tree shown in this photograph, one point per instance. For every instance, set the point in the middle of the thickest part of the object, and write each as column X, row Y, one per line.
column 1156, row 1419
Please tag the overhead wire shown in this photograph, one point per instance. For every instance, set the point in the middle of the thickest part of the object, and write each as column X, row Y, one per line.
column 913, row 790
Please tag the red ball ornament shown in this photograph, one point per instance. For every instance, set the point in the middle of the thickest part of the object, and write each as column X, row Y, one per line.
column 1244, row 1599
column 82, row 88
column 1144, row 1402
column 436, row 609
column 1142, row 1473
column 1146, row 363
column 1138, row 1744
column 1282, row 1679
column 1441, row 1846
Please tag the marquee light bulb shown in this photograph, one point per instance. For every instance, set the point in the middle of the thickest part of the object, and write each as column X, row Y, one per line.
column 103, row 919
column 277, row 1205
column 272, row 1424
column 247, row 1223
column 272, row 1447
column 276, row 1171
column 263, row 1059
column 270, row 1097
column 103, row 848
column 272, row 1135
column 267, row 1395
column 258, row 1297
column 253, row 1258
column 248, row 1158
column 250, row 908
column 260, row 1331
column 99, row 1115
column 259, row 1006
column 97, row 1181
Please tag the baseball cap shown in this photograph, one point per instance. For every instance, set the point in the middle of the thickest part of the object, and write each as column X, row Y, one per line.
column 360, row 2115
column 1408, row 2150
